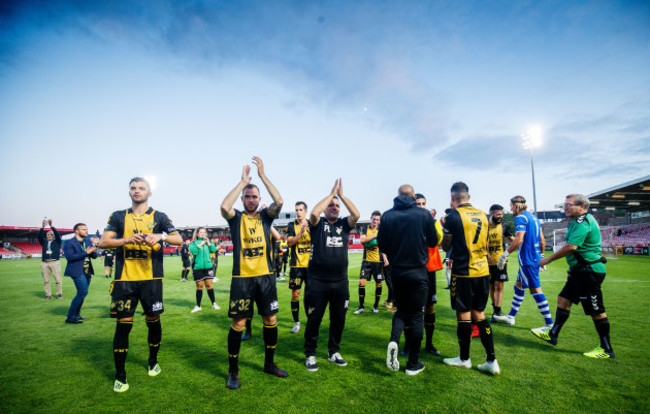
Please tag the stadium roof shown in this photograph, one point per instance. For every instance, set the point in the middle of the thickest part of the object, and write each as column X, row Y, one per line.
column 630, row 196
column 24, row 231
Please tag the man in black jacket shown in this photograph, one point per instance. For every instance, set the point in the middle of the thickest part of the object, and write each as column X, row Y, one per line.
column 50, row 265
column 405, row 233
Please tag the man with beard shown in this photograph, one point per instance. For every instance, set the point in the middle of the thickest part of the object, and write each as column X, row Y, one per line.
column 299, row 241
column 497, row 236
column 136, row 234
column 328, row 274
column 405, row 233
column 252, row 270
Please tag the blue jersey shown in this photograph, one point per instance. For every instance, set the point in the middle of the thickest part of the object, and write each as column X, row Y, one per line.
column 529, row 250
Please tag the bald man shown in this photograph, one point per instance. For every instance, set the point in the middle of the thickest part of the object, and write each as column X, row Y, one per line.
column 405, row 234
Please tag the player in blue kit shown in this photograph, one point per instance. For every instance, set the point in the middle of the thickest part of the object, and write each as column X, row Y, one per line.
column 530, row 242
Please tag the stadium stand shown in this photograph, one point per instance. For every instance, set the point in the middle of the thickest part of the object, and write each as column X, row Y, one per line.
column 631, row 235
column 28, row 248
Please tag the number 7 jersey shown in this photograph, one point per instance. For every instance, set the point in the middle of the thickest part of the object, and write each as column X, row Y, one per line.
column 468, row 227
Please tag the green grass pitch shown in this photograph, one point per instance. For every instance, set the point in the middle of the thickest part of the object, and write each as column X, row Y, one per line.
column 48, row 366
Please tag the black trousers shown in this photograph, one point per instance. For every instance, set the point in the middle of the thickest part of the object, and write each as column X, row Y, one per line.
column 410, row 286
column 317, row 295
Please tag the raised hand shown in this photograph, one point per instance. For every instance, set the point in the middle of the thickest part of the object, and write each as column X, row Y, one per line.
column 246, row 174
column 260, row 165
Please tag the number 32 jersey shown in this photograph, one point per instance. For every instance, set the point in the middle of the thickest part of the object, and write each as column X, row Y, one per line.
column 468, row 227
column 251, row 241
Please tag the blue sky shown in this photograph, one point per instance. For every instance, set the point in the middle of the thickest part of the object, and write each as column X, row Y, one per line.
column 380, row 93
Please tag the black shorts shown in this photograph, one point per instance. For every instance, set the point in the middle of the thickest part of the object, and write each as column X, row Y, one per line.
column 202, row 274
column 108, row 262
column 584, row 287
column 497, row 275
column 186, row 262
column 244, row 291
column 432, row 295
column 297, row 275
column 126, row 294
column 370, row 270
column 469, row 293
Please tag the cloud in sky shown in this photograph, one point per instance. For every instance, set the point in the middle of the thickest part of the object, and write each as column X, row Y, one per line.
column 439, row 90
column 402, row 63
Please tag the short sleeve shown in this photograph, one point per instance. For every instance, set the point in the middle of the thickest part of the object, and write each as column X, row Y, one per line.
column 291, row 230
column 520, row 223
column 115, row 223
column 166, row 224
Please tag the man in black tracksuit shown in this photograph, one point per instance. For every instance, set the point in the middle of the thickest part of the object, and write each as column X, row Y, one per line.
column 327, row 280
column 405, row 233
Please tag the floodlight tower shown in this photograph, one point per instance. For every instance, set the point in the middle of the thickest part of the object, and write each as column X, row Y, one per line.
column 532, row 138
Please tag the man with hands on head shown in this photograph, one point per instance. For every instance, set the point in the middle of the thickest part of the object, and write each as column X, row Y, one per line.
column 328, row 274
column 252, row 270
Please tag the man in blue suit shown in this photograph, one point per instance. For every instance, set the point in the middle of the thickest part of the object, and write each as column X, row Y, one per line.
column 78, row 252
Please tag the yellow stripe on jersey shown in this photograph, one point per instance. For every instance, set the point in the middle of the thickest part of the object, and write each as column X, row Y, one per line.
column 495, row 242
column 137, row 257
column 303, row 247
column 475, row 226
column 252, row 257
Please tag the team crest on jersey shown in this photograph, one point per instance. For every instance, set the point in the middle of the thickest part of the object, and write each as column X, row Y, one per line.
column 339, row 230
column 157, row 306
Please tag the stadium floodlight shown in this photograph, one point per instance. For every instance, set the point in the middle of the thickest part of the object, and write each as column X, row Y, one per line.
column 153, row 181
column 532, row 138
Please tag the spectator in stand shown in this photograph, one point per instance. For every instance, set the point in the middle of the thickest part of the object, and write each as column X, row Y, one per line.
column 50, row 264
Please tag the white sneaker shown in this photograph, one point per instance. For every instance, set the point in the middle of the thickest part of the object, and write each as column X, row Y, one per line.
column 337, row 359
column 375, row 310
column 490, row 367
column 359, row 311
column 196, row 309
column 215, row 306
column 311, row 364
column 280, row 279
column 507, row 319
column 392, row 354
column 296, row 327
column 457, row 362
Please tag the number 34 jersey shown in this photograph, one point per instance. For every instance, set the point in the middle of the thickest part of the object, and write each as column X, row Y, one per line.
column 468, row 227
column 251, row 244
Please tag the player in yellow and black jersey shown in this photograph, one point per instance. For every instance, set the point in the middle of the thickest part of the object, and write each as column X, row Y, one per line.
column 136, row 234
column 252, row 271
column 465, row 231
column 498, row 234
column 372, row 264
column 299, row 242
